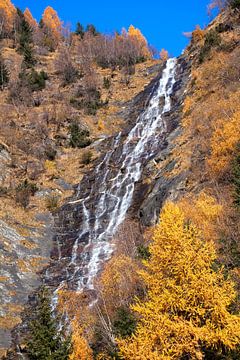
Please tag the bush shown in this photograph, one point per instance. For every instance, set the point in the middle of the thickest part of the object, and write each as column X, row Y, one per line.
column 4, row 74
column 50, row 153
column 235, row 4
column 24, row 191
column 212, row 39
column 86, row 157
column 52, row 202
column 78, row 138
column 125, row 323
column 35, row 81
column 143, row 252
column 106, row 82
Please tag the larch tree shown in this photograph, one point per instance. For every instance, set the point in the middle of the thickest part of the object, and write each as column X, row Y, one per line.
column 7, row 17
column 186, row 309
column 52, row 23
column 137, row 37
column 30, row 19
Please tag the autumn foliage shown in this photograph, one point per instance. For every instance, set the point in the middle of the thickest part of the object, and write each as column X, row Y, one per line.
column 187, row 301
column 7, row 16
column 52, row 22
column 30, row 19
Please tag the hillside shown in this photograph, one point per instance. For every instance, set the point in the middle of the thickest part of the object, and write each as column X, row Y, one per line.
column 98, row 139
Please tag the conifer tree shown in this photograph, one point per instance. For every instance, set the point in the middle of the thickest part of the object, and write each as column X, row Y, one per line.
column 79, row 30
column 4, row 74
column 45, row 341
column 186, row 311
column 25, row 47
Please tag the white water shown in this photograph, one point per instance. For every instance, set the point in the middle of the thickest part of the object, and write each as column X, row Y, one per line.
column 115, row 188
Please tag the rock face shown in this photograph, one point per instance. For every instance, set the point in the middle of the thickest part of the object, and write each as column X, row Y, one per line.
column 163, row 187
column 85, row 225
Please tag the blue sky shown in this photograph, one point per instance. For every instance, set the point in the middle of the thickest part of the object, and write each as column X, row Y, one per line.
column 162, row 22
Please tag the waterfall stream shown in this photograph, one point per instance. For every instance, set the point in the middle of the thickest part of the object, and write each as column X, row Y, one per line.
column 110, row 195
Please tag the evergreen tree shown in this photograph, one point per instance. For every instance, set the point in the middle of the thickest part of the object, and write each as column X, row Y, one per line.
column 45, row 341
column 79, row 30
column 25, row 46
column 92, row 30
column 4, row 73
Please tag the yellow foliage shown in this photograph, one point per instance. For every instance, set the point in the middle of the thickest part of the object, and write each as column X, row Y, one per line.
column 188, row 103
column 187, row 301
column 81, row 349
column 52, row 21
column 198, row 34
column 119, row 281
column 8, row 11
column 30, row 19
column 204, row 212
column 136, row 36
column 50, row 167
column 223, row 144
column 164, row 55
column 100, row 125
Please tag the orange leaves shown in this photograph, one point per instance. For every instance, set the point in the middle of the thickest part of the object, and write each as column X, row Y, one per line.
column 53, row 23
column 7, row 12
column 164, row 55
column 137, row 37
column 30, row 19
column 223, row 143
column 119, row 281
column 187, row 301
column 80, row 347
column 198, row 34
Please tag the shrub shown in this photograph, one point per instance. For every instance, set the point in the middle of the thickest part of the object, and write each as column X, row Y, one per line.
column 24, row 191
column 37, row 80
column 106, row 82
column 4, row 74
column 235, row 4
column 52, row 202
column 78, row 138
column 143, row 252
column 212, row 39
column 50, row 153
column 125, row 323
column 86, row 157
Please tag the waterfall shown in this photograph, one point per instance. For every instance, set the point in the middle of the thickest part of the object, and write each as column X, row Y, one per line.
column 105, row 205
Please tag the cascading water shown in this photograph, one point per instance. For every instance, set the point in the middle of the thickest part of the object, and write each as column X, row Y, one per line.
column 104, row 206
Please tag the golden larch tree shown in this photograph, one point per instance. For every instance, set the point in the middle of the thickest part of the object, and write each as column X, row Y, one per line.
column 7, row 15
column 137, row 37
column 80, row 347
column 30, row 19
column 52, row 22
column 187, row 302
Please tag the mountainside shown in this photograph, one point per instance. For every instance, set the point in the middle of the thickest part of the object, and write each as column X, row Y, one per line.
column 93, row 150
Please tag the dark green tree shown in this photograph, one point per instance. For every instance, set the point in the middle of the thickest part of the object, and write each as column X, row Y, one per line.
column 79, row 30
column 25, row 46
column 4, row 74
column 92, row 29
column 78, row 138
column 46, row 341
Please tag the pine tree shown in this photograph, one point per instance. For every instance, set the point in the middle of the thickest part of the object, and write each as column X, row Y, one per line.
column 79, row 30
column 186, row 311
column 45, row 341
column 25, row 47
column 4, row 74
